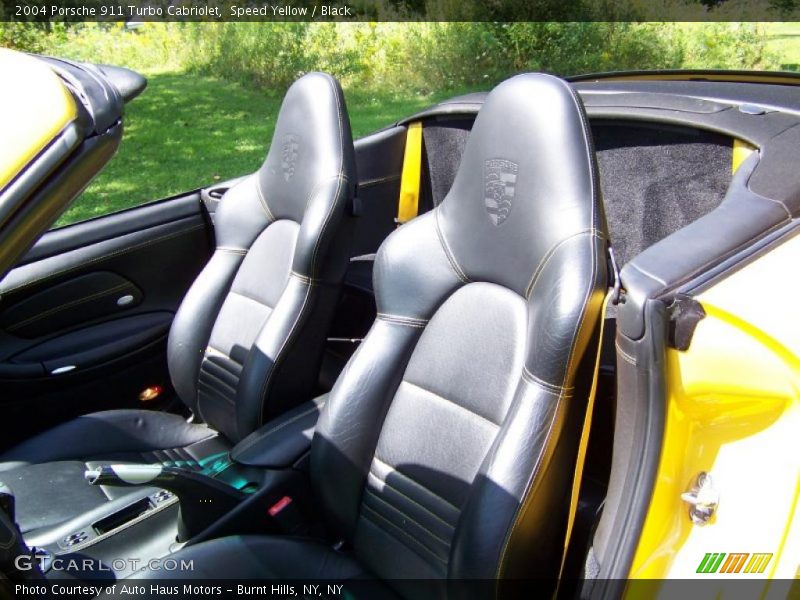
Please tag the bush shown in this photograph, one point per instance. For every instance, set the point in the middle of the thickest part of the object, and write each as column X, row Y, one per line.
column 404, row 57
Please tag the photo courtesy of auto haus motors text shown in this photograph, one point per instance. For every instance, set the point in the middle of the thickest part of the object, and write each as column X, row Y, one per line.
column 184, row 590
column 399, row 299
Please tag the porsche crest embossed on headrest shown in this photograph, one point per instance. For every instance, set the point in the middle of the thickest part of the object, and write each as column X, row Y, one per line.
column 289, row 151
column 500, row 179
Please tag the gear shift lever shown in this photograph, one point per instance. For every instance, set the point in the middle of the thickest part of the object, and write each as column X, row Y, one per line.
column 202, row 499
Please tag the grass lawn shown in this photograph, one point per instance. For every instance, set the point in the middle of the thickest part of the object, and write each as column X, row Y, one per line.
column 187, row 131
column 784, row 39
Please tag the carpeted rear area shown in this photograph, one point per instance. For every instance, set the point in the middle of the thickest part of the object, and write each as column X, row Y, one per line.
column 657, row 181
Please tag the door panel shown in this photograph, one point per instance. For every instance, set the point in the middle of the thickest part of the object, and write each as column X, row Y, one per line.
column 85, row 315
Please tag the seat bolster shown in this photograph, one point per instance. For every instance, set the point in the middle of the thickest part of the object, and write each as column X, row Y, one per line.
column 106, row 433
column 262, row 557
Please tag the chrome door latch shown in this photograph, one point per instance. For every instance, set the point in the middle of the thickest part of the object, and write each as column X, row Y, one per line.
column 703, row 499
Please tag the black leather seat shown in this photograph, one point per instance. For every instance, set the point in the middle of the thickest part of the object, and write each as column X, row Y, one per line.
column 447, row 447
column 247, row 341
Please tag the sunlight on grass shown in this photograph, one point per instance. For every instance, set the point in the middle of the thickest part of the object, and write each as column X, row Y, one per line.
column 784, row 40
column 187, row 131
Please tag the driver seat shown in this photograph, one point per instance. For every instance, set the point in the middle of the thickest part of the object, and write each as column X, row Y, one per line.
column 447, row 447
column 247, row 341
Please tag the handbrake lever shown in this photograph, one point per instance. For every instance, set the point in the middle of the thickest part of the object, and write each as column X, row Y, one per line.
column 202, row 499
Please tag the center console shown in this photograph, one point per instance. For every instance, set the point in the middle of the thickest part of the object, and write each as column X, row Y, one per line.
column 260, row 487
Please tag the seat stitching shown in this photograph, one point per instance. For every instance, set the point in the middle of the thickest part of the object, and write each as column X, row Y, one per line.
column 405, row 515
column 263, row 201
column 67, row 305
column 402, row 320
column 221, row 353
column 279, row 354
column 328, row 217
column 257, row 301
column 446, row 247
column 394, row 489
column 216, row 378
column 280, row 426
column 627, row 357
column 340, row 176
column 529, row 486
column 378, row 180
column 589, row 146
column 413, row 481
column 104, row 257
column 419, row 320
column 582, row 320
column 232, row 250
column 451, row 402
column 551, row 387
column 304, row 278
column 406, row 535
column 549, row 254
column 216, row 393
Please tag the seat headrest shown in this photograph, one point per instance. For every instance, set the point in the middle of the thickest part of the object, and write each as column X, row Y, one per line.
column 312, row 143
column 527, row 181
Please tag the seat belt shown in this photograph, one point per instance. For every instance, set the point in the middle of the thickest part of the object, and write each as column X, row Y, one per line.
column 408, row 203
column 612, row 296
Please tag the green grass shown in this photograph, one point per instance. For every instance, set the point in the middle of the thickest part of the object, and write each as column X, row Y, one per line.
column 784, row 40
column 187, row 131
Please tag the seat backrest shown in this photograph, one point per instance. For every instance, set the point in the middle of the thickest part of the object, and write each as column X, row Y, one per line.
column 247, row 341
column 447, row 446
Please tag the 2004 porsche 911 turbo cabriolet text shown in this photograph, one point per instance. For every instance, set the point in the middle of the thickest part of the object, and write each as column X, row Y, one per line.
column 545, row 334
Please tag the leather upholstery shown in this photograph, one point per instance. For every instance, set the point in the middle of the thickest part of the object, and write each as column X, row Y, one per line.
column 250, row 331
column 247, row 340
column 446, row 449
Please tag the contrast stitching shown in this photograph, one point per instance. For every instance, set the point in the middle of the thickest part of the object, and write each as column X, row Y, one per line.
column 371, row 182
column 579, row 328
column 401, row 320
column 414, row 502
column 216, row 393
column 550, row 253
column 550, row 387
column 216, row 377
column 71, row 304
column 212, row 350
column 257, row 301
column 263, row 201
column 104, row 257
column 452, row 403
column 405, row 515
column 627, row 357
column 305, row 278
column 280, row 426
column 279, row 354
column 406, row 535
column 323, row 230
column 589, row 148
column 447, row 250
column 232, row 250
column 529, row 486
column 413, row 481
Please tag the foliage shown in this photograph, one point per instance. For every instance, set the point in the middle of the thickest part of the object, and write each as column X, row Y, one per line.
column 187, row 131
column 215, row 88
column 405, row 56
